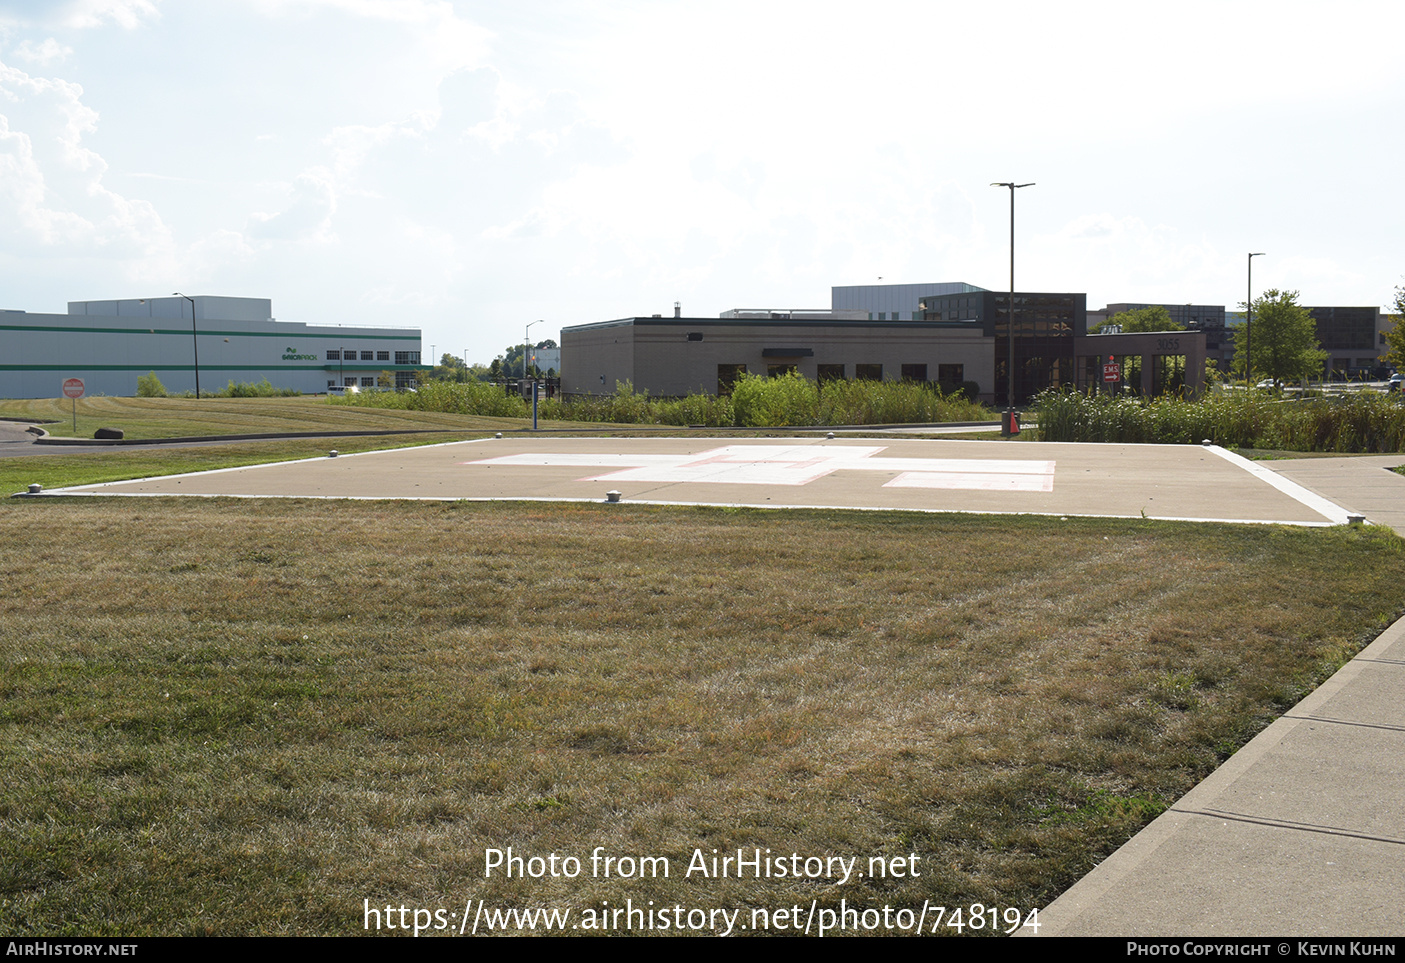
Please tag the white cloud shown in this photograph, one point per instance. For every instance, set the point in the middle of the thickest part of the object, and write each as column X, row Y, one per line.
column 127, row 14
column 312, row 202
column 46, row 54
column 51, row 190
column 444, row 41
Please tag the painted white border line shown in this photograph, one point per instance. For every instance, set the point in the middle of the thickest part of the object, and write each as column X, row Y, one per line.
column 1322, row 506
column 84, row 489
column 67, row 493
column 1335, row 514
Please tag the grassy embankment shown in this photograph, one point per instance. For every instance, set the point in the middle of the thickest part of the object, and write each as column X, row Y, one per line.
column 186, row 417
column 249, row 717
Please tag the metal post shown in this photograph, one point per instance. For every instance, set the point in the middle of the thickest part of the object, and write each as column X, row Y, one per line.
column 1249, row 323
column 194, row 342
column 524, row 351
column 1009, row 420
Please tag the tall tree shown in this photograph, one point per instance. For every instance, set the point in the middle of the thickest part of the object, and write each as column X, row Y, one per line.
column 1283, row 338
column 1154, row 317
column 1395, row 337
column 1140, row 320
column 450, row 368
column 512, row 359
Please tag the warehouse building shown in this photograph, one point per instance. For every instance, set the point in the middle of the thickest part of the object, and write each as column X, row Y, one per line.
column 194, row 341
column 680, row 356
column 947, row 334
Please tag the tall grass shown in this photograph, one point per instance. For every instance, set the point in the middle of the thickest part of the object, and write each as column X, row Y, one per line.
column 450, row 397
column 1240, row 419
column 790, row 399
column 894, row 402
column 756, row 402
column 254, row 389
column 624, row 407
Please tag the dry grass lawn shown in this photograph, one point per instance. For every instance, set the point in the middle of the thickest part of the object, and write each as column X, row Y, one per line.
column 183, row 417
column 239, row 717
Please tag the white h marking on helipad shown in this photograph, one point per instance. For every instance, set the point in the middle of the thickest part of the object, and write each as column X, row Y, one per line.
column 799, row 465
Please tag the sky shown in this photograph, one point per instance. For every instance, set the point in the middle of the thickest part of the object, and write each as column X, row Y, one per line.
column 471, row 167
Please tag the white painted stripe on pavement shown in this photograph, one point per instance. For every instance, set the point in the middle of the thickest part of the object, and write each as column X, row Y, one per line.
column 1322, row 506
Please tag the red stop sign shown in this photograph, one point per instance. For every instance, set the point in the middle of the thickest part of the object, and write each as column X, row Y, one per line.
column 73, row 388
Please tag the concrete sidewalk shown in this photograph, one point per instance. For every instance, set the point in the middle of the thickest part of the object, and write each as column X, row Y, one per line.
column 1301, row 832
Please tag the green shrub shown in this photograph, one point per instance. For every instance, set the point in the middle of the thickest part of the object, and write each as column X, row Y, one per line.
column 712, row 411
column 463, row 398
column 757, row 402
column 1236, row 419
column 790, row 399
column 249, row 389
column 970, row 390
column 895, row 403
column 150, row 386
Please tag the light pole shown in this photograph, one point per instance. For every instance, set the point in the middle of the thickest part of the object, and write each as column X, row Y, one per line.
column 1008, row 425
column 194, row 342
column 524, row 349
column 1249, row 322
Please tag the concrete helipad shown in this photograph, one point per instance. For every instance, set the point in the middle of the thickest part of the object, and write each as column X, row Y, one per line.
column 1154, row 481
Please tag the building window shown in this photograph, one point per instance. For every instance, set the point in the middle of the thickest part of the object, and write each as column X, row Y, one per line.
column 914, row 372
column 695, row 335
column 368, row 356
column 405, row 379
column 829, row 372
column 368, row 382
column 868, row 372
column 331, row 384
column 727, row 376
column 333, row 354
column 382, row 355
column 951, row 374
column 779, row 370
column 350, row 382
